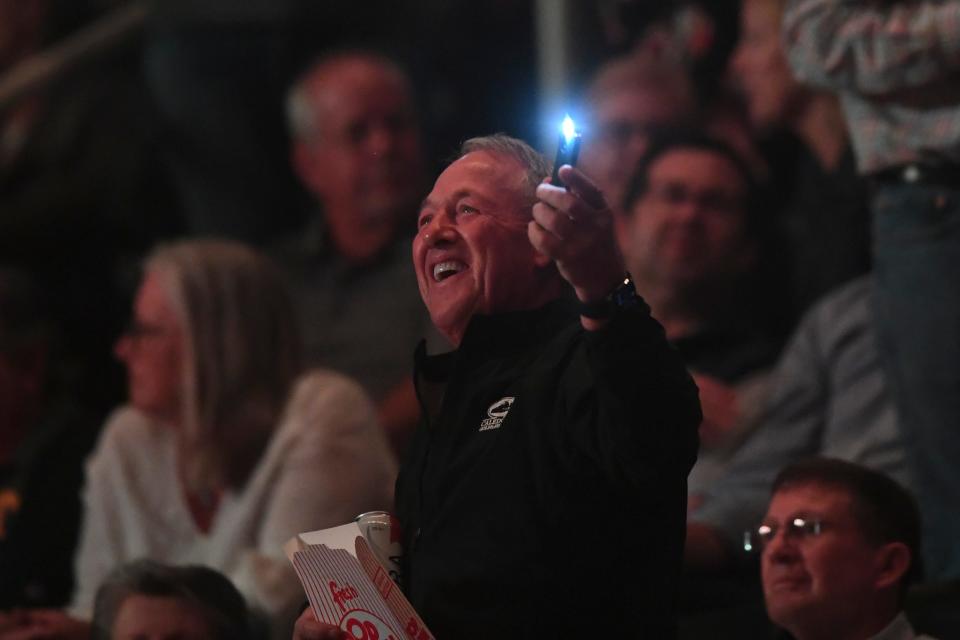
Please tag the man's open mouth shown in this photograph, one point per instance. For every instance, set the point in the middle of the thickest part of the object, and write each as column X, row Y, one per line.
column 447, row 268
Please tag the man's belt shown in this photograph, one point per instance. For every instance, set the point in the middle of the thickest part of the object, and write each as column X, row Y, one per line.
column 944, row 175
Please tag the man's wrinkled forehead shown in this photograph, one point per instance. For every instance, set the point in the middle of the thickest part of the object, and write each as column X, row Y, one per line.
column 494, row 178
column 483, row 166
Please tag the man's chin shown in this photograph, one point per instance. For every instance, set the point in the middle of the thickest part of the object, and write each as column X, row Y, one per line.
column 451, row 321
column 787, row 603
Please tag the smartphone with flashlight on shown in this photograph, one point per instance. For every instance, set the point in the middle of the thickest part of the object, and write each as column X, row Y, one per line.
column 567, row 149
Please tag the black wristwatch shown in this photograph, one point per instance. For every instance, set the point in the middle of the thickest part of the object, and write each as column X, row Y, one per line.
column 624, row 296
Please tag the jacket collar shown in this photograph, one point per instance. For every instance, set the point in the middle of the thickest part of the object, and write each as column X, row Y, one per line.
column 494, row 336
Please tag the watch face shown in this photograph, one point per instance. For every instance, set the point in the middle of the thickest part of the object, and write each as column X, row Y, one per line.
column 625, row 295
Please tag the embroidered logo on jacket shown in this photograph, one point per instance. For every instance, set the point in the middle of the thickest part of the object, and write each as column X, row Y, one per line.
column 496, row 413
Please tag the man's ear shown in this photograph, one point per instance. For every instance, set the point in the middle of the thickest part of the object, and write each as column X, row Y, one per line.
column 893, row 561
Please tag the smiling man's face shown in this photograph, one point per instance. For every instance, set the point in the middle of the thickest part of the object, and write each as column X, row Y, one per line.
column 471, row 252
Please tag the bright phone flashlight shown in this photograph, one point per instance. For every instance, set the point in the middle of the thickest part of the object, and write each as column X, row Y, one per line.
column 567, row 149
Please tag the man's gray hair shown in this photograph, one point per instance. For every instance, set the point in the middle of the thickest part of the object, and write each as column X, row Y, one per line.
column 241, row 354
column 536, row 166
column 205, row 590
column 300, row 117
column 301, row 109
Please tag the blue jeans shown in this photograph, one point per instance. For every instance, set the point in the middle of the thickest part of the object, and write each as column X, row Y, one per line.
column 917, row 264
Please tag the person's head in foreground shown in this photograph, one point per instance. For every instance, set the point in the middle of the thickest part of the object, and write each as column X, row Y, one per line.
column 472, row 252
column 145, row 600
column 356, row 147
column 211, row 352
column 839, row 548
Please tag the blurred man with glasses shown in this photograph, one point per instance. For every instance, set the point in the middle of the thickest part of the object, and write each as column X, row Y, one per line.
column 840, row 546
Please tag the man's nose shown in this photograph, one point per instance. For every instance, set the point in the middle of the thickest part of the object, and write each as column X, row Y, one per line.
column 689, row 210
column 440, row 230
column 381, row 140
column 781, row 548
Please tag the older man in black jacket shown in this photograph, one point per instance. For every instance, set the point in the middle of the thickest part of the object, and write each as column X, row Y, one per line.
column 544, row 494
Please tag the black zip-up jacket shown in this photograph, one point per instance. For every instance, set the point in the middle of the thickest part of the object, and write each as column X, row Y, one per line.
column 547, row 497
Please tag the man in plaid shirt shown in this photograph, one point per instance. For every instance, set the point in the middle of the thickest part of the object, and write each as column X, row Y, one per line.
column 896, row 68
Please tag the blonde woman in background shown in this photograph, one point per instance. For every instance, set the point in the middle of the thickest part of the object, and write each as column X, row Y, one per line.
column 224, row 451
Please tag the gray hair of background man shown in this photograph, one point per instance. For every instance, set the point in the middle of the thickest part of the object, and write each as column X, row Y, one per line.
column 301, row 109
column 209, row 592
column 884, row 511
column 242, row 353
column 534, row 164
